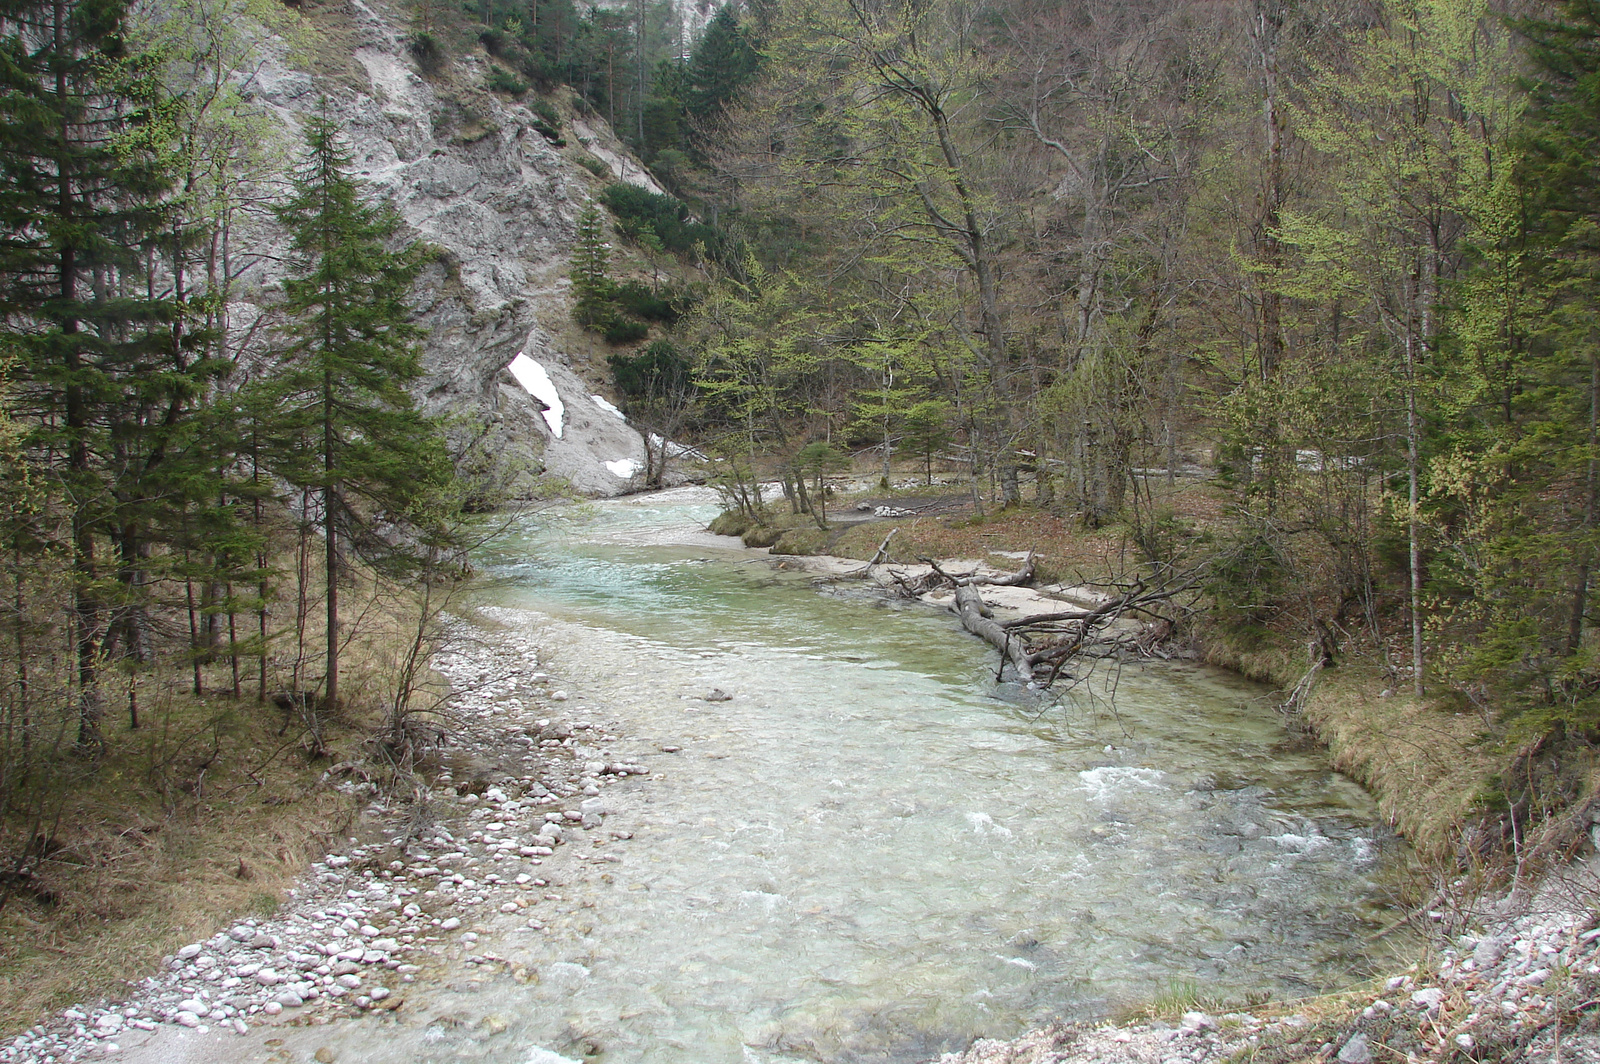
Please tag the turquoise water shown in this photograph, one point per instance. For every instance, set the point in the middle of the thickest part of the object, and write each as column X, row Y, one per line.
column 871, row 853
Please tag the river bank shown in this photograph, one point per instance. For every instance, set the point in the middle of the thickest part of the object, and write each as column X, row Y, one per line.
column 1507, row 976
column 432, row 896
column 426, row 904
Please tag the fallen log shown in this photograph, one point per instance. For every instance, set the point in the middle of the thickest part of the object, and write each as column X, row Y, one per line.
column 977, row 619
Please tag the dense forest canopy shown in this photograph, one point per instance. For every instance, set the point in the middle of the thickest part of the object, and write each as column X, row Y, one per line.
column 1339, row 254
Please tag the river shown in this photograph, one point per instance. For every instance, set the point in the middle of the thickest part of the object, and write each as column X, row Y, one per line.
column 870, row 852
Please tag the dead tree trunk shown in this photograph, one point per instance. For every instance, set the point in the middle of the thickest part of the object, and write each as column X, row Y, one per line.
column 977, row 619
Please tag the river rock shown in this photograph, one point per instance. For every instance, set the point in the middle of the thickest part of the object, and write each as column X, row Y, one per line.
column 1488, row 951
column 1356, row 1050
column 1428, row 998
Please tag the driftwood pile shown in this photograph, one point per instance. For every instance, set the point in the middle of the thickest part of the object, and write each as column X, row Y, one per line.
column 1138, row 619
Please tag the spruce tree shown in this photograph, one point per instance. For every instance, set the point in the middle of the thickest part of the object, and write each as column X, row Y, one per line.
column 103, row 367
column 347, row 431
column 724, row 62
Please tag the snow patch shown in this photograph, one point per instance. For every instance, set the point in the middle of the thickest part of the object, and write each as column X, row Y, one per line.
column 674, row 449
column 537, row 383
column 604, row 404
column 623, row 468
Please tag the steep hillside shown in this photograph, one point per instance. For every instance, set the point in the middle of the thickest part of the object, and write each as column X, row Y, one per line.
column 498, row 201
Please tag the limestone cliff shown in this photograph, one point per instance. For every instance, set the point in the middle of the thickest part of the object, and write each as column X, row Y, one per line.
column 497, row 201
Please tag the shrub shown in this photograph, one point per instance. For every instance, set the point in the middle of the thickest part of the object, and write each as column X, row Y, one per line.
column 427, row 51
column 619, row 330
column 659, row 370
column 595, row 166
column 494, row 41
column 502, row 80
column 637, row 207
column 546, row 111
column 638, row 300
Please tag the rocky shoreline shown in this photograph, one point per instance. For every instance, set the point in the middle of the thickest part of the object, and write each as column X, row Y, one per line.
column 435, row 882
column 1521, row 988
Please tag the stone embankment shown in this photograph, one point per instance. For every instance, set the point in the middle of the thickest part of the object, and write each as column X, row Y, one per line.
column 382, row 912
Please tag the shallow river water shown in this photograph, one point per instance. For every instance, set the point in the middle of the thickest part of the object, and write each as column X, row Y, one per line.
column 871, row 853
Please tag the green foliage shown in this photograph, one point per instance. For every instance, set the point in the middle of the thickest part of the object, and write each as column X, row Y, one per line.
column 591, row 270
column 637, row 299
column 343, row 423
column 659, row 370
column 545, row 111
column 723, row 63
column 1246, row 584
column 595, row 166
column 638, row 209
column 427, row 51
column 620, row 330
column 502, row 80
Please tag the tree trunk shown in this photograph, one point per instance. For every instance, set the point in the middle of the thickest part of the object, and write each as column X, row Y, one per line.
column 969, row 606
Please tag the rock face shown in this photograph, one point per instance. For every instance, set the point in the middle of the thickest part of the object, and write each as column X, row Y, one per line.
column 497, row 202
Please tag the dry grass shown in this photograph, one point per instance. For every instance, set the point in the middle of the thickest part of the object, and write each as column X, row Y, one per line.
column 208, row 811
column 325, row 41
column 203, row 814
column 1427, row 764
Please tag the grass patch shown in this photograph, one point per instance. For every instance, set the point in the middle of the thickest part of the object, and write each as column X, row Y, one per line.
column 208, row 811
column 1428, row 764
column 200, row 816
column 811, row 540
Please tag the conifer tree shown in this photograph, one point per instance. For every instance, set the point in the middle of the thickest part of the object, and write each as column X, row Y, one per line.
column 723, row 63
column 104, row 367
column 347, row 431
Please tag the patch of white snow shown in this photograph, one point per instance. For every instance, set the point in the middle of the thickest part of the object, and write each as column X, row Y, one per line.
column 604, row 404
column 538, row 384
column 623, row 468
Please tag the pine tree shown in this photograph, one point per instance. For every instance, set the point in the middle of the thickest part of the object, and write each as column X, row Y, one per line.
column 105, row 370
column 591, row 270
column 724, row 62
column 348, row 433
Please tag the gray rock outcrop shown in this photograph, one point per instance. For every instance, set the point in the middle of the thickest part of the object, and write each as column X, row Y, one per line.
column 497, row 203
